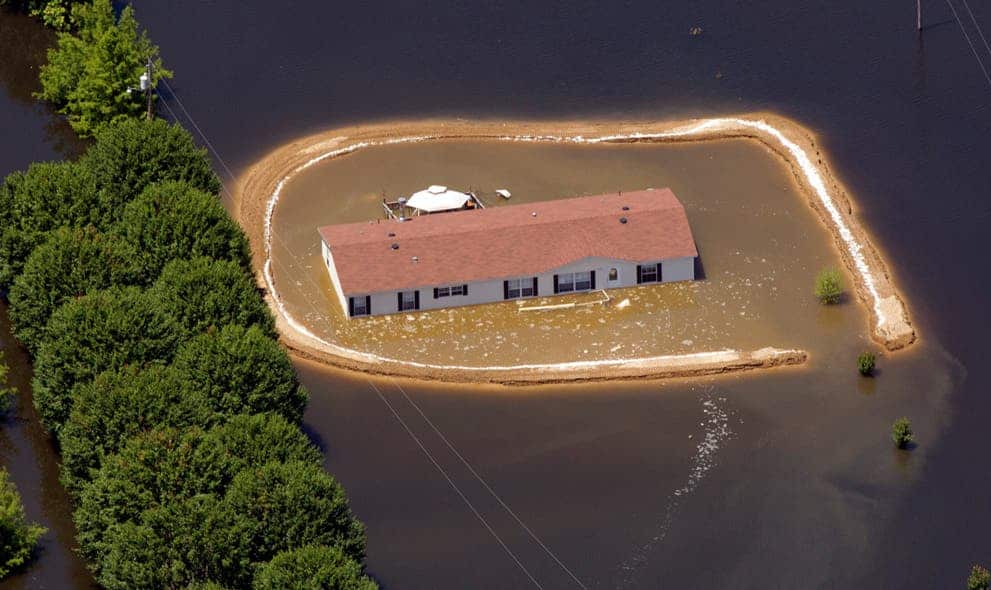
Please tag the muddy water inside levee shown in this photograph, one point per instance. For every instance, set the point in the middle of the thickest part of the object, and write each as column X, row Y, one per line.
column 766, row 477
column 760, row 247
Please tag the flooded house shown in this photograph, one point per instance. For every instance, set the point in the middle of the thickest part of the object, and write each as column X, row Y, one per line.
column 484, row 255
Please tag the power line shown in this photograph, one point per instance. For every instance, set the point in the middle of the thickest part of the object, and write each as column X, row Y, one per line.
column 200, row 131
column 977, row 26
column 980, row 62
column 489, row 488
column 454, row 485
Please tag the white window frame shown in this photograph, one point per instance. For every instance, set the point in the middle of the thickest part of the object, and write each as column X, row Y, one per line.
column 451, row 291
column 653, row 273
column 519, row 288
column 408, row 304
column 574, row 281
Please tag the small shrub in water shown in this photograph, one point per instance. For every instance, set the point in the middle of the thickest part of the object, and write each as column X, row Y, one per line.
column 865, row 363
column 829, row 286
column 980, row 578
column 901, row 433
column 18, row 537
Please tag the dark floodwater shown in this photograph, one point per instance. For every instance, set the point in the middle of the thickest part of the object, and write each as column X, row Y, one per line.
column 799, row 487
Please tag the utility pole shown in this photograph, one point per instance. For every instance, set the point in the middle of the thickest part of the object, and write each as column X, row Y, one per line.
column 146, row 85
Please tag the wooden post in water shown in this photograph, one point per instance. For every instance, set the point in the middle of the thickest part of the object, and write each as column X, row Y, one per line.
column 918, row 15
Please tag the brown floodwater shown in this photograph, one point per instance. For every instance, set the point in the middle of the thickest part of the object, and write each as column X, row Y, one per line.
column 626, row 484
column 760, row 247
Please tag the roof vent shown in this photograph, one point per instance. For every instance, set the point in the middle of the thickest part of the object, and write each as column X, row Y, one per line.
column 626, row 207
column 395, row 246
column 392, row 234
column 533, row 214
column 416, row 259
column 622, row 220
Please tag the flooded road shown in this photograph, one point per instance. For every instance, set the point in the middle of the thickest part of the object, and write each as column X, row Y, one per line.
column 801, row 487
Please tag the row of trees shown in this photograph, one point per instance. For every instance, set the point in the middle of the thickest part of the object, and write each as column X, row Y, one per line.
column 156, row 368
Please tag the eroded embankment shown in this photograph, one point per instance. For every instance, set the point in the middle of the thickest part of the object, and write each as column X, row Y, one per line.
column 259, row 189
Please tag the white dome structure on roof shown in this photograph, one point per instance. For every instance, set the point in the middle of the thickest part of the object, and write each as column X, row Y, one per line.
column 437, row 198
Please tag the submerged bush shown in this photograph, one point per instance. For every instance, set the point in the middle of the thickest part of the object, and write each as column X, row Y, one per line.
column 901, row 433
column 313, row 566
column 7, row 393
column 829, row 286
column 18, row 537
column 865, row 363
column 979, row 579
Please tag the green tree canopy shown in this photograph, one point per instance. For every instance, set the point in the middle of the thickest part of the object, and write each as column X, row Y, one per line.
column 104, row 330
column 116, row 406
column 69, row 264
column 131, row 154
column 18, row 538
column 314, row 567
column 294, row 504
column 32, row 203
column 168, row 464
column 89, row 72
column 175, row 220
column 182, row 543
column 242, row 370
column 204, row 293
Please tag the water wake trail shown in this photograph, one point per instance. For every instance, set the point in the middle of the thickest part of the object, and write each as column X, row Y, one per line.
column 717, row 433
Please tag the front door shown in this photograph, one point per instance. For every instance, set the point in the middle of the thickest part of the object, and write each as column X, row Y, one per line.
column 612, row 277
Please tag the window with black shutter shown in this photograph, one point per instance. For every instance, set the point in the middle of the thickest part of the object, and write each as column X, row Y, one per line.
column 535, row 292
column 592, row 279
column 639, row 274
column 505, row 289
column 555, row 285
column 358, row 306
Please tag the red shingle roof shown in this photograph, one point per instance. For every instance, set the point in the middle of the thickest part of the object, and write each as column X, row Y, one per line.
column 509, row 241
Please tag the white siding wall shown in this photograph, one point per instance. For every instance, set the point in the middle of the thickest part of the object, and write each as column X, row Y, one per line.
column 328, row 259
column 678, row 269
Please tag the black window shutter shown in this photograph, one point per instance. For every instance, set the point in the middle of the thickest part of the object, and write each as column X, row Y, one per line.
column 505, row 289
column 350, row 307
column 435, row 292
column 368, row 304
column 639, row 274
column 464, row 289
column 399, row 301
column 534, row 286
column 659, row 265
column 416, row 299
column 593, row 279
column 555, row 285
